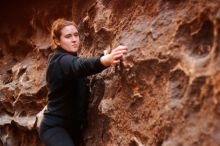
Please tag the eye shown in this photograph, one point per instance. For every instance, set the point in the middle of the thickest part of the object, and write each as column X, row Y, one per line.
column 76, row 34
column 68, row 36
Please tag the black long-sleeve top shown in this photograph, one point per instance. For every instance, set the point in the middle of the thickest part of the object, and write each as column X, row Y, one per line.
column 66, row 81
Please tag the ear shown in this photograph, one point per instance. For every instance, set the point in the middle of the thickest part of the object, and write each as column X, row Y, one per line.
column 57, row 42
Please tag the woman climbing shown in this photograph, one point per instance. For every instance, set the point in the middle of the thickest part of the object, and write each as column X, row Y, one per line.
column 66, row 82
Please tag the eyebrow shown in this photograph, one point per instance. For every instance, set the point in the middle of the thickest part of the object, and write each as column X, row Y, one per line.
column 71, row 33
column 68, row 34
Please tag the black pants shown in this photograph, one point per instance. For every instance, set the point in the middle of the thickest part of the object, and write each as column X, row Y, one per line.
column 59, row 136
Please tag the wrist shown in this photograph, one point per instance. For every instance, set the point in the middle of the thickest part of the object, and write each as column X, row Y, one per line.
column 104, row 60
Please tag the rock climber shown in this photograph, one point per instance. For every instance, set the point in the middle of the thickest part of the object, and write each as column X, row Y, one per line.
column 67, row 84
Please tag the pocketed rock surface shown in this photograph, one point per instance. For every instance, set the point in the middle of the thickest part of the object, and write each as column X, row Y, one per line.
column 165, row 92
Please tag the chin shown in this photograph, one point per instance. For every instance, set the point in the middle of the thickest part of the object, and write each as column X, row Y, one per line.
column 74, row 50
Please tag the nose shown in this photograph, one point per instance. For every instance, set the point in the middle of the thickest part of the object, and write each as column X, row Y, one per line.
column 73, row 39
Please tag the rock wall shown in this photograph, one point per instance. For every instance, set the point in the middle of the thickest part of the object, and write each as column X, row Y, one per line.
column 24, row 49
column 165, row 92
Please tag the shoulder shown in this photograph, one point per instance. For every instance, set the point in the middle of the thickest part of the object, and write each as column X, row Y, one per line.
column 66, row 59
column 61, row 57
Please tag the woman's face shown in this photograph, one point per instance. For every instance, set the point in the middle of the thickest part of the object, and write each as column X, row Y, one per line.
column 69, row 39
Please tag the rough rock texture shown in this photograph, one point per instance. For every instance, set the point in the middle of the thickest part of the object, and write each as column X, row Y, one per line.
column 24, row 49
column 165, row 92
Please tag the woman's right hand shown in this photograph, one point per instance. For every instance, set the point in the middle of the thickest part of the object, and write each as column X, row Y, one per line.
column 115, row 56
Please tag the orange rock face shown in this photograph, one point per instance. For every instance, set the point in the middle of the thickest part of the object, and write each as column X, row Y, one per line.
column 165, row 92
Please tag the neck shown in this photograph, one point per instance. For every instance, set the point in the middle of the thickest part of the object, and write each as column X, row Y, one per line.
column 63, row 50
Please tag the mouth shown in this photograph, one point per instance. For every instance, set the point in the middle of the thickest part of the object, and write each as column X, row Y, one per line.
column 75, row 45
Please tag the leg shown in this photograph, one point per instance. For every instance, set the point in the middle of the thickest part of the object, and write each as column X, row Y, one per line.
column 57, row 136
